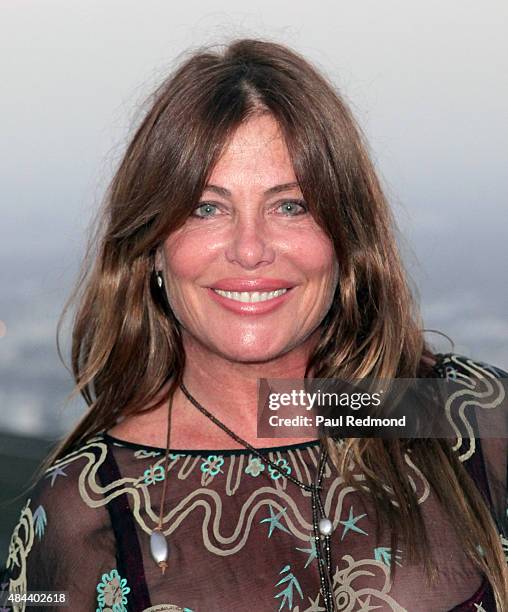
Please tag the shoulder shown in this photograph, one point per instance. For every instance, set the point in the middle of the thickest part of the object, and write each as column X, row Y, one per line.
column 475, row 403
column 60, row 501
column 64, row 519
column 64, row 480
column 455, row 366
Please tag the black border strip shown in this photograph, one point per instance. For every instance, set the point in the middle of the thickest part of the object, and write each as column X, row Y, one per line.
column 240, row 451
column 128, row 552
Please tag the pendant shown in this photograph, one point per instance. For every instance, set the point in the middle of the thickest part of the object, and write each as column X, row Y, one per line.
column 325, row 526
column 159, row 548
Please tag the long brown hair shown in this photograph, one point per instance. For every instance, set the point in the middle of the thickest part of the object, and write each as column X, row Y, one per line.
column 126, row 344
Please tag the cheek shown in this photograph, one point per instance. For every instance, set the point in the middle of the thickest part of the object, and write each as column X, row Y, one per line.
column 315, row 257
column 186, row 257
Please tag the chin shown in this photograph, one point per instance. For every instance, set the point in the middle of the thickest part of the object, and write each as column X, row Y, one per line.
column 257, row 353
column 250, row 354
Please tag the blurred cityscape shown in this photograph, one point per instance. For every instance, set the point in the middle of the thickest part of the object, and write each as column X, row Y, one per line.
column 33, row 381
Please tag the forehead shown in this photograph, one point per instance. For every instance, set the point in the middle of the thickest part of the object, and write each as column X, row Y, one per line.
column 256, row 152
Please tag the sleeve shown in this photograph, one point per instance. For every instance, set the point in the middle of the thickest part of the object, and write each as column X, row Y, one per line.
column 483, row 398
column 63, row 541
column 493, row 421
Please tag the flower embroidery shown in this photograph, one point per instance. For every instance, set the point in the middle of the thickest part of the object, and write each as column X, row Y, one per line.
column 112, row 591
column 152, row 474
column 255, row 467
column 283, row 464
column 212, row 464
column 451, row 373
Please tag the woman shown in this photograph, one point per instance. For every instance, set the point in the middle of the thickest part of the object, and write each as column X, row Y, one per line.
column 246, row 236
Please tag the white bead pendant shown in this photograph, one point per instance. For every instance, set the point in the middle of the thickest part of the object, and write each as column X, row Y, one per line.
column 159, row 549
column 325, row 526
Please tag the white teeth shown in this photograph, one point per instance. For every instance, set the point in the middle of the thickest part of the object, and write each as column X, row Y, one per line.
column 250, row 296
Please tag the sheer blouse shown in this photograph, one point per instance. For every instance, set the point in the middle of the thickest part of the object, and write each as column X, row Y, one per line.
column 239, row 533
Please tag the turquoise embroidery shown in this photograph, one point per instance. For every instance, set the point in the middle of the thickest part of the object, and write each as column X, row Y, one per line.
column 351, row 523
column 153, row 474
column 384, row 554
column 112, row 591
column 287, row 593
column 312, row 551
column 274, row 522
column 275, row 474
column 255, row 467
column 212, row 464
column 176, row 456
column 451, row 373
column 40, row 521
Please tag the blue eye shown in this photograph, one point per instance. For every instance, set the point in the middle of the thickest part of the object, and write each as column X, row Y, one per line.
column 205, row 206
column 294, row 207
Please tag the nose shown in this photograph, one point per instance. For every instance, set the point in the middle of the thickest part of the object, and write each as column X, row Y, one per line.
column 250, row 244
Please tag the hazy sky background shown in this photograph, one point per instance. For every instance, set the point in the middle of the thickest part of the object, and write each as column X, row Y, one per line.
column 426, row 81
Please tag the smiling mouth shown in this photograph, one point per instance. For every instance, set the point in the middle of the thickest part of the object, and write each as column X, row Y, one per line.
column 251, row 297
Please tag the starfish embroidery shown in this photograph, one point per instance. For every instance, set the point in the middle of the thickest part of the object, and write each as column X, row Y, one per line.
column 314, row 605
column 351, row 523
column 312, row 551
column 273, row 519
column 55, row 471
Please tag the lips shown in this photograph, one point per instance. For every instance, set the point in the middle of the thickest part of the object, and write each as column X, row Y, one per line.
column 239, row 285
column 251, row 296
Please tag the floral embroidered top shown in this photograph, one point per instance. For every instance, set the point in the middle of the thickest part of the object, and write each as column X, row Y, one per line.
column 239, row 534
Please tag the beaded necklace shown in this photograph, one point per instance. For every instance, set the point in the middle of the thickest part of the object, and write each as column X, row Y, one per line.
column 322, row 525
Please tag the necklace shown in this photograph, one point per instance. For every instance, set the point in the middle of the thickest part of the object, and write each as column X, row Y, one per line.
column 322, row 525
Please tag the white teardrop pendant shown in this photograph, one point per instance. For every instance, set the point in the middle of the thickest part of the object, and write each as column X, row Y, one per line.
column 325, row 526
column 159, row 548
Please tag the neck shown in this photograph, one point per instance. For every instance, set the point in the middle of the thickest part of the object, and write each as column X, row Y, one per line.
column 229, row 391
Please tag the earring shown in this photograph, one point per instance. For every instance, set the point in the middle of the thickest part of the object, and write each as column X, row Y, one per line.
column 160, row 281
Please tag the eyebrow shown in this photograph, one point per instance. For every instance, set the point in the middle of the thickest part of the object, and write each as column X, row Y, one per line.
column 275, row 189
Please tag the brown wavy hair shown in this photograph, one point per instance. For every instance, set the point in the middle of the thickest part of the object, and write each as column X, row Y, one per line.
column 126, row 343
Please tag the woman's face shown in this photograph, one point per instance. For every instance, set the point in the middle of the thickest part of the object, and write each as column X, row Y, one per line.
column 250, row 275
